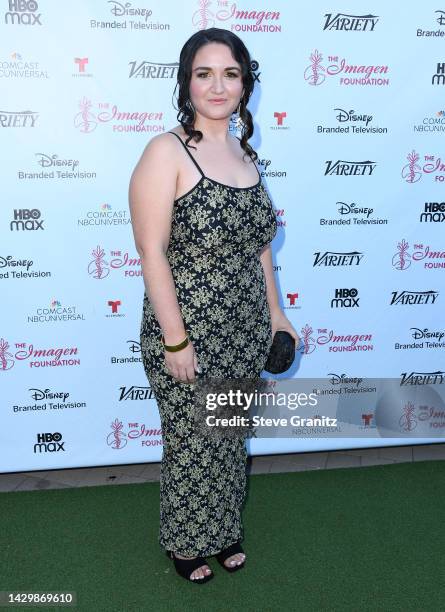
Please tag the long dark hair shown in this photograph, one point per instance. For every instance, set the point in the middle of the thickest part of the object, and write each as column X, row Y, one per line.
column 186, row 114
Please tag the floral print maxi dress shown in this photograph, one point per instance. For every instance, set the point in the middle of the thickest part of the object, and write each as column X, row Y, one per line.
column 217, row 232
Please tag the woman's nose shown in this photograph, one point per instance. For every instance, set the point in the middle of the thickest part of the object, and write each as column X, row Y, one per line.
column 217, row 84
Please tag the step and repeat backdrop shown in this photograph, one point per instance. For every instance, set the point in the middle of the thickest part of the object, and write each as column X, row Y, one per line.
column 349, row 112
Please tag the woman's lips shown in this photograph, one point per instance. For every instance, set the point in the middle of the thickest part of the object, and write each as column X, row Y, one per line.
column 217, row 101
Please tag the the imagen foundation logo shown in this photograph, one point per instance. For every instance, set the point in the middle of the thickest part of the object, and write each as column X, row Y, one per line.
column 6, row 358
column 90, row 116
column 412, row 172
column 335, row 342
column 101, row 265
column 227, row 15
column 36, row 357
column 428, row 415
column 119, row 437
column 404, row 257
column 317, row 71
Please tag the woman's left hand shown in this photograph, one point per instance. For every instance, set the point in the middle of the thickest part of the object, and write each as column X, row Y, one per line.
column 281, row 323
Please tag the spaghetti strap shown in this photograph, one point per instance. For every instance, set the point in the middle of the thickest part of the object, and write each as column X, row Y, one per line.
column 191, row 156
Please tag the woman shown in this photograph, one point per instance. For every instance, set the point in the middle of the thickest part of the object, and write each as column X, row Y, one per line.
column 202, row 224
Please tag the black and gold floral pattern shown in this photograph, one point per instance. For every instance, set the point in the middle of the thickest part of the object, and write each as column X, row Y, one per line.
column 217, row 232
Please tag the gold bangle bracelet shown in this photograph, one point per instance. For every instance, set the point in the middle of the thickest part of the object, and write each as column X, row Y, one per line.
column 173, row 348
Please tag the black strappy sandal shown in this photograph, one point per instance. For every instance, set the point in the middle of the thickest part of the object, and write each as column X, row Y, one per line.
column 186, row 567
column 233, row 549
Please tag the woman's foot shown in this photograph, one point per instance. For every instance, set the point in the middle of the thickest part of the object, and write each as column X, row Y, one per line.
column 232, row 558
column 235, row 560
column 199, row 573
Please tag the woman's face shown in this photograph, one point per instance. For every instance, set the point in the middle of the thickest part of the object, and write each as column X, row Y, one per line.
column 216, row 85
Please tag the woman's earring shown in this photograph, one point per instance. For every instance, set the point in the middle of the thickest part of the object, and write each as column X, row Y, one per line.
column 191, row 108
column 239, row 121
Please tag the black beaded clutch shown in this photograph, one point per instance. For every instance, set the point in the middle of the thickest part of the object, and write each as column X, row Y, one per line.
column 282, row 353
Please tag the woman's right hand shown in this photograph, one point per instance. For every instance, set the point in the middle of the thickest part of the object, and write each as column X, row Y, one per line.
column 182, row 364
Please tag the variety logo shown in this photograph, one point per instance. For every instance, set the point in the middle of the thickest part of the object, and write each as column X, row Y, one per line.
column 422, row 378
column 49, row 443
column 54, row 313
column 423, row 339
column 355, row 214
column 134, row 347
column 352, row 122
column 23, row 12
column 56, row 168
column 37, row 358
column 434, row 212
column 345, row 298
column 153, row 70
column 99, row 267
column 435, row 123
column 18, row 68
column 350, row 23
column 18, row 119
column 349, row 168
column 26, row 219
column 86, row 121
column 81, row 64
column 247, row 20
column 413, row 298
column 316, row 73
column 114, row 309
column 126, row 14
column 439, row 77
column 135, row 393
column 331, row 258
column 52, row 400
column 15, row 268
column 291, row 301
column 403, row 259
column 413, row 172
column 336, row 342
column 104, row 216
column 118, row 438
column 440, row 19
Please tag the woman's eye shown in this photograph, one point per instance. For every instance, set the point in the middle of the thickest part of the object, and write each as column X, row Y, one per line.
column 232, row 75
column 202, row 74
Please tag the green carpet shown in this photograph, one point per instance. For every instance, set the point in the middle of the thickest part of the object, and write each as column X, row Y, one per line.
column 347, row 539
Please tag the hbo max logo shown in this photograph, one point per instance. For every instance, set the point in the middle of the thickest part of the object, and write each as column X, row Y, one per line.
column 26, row 219
column 23, row 12
column 345, row 298
column 49, row 443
